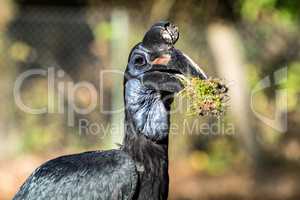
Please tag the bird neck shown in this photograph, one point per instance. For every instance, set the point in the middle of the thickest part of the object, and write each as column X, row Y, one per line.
column 148, row 155
column 152, row 166
column 147, row 124
column 146, row 112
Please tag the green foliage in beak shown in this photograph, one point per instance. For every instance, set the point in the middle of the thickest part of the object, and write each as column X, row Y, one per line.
column 205, row 97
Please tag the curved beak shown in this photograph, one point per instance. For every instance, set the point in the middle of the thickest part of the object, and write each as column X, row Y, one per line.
column 167, row 71
column 186, row 65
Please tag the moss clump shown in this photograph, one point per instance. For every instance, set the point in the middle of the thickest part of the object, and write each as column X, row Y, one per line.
column 206, row 97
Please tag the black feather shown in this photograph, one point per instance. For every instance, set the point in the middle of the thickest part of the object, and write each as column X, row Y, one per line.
column 86, row 176
column 139, row 169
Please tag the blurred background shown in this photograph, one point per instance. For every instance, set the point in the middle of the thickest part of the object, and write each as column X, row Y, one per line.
column 253, row 152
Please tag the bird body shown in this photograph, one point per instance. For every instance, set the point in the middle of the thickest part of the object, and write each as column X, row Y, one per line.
column 139, row 169
column 83, row 175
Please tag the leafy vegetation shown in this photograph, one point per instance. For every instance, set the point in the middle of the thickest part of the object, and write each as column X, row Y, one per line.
column 206, row 97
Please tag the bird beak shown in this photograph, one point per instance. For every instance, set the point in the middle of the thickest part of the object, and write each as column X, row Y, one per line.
column 169, row 69
column 186, row 65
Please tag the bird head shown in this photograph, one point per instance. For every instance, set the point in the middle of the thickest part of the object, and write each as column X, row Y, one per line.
column 157, row 64
column 153, row 75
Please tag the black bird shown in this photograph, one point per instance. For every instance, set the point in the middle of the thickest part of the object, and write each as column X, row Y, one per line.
column 139, row 169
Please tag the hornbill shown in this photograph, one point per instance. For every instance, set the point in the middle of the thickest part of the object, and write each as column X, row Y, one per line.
column 138, row 170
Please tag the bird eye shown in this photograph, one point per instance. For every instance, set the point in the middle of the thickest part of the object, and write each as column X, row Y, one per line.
column 139, row 60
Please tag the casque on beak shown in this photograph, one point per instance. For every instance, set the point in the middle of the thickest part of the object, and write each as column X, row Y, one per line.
column 168, row 63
